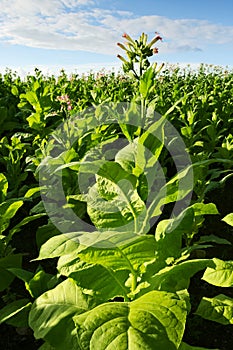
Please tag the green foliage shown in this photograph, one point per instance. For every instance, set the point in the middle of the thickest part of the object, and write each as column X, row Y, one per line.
column 155, row 318
column 124, row 283
column 219, row 309
column 221, row 274
column 229, row 219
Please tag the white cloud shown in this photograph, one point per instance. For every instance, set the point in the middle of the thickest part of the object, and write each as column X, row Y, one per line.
column 79, row 25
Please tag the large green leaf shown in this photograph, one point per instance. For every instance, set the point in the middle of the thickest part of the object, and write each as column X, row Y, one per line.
column 174, row 190
column 58, row 245
column 154, row 321
column 176, row 277
column 142, row 153
column 218, row 309
column 169, row 233
column 128, row 255
column 124, row 212
column 127, row 156
column 63, row 335
column 7, row 211
column 37, row 283
column 32, row 98
column 108, row 285
column 113, row 257
column 35, row 122
column 16, row 313
column 204, row 209
column 113, row 201
column 221, row 274
column 152, row 141
column 25, row 221
column 146, row 82
column 52, row 307
column 137, row 159
column 169, row 240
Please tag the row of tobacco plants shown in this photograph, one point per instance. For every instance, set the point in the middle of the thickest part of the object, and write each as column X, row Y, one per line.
column 116, row 224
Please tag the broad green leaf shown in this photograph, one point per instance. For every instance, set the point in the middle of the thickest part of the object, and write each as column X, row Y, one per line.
column 177, row 277
column 7, row 211
column 221, row 274
column 152, row 141
column 32, row 191
column 137, row 159
column 108, row 285
column 146, row 82
column 205, row 209
column 113, row 201
column 37, row 283
column 228, row 219
column 63, row 336
column 169, row 233
column 14, row 90
column 40, row 283
column 16, row 313
column 155, row 320
column 124, row 212
column 129, row 256
column 32, row 98
column 142, row 153
column 174, row 190
column 52, row 307
column 218, row 309
column 24, row 275
column 58, row 245
column 25, row 221
column 115, row 173
column 127, row 156
column 130, row 121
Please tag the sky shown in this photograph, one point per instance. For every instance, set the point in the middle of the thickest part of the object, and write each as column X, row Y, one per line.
column 81, row 35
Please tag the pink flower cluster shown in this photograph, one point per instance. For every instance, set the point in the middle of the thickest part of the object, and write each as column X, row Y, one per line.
column 66, row 100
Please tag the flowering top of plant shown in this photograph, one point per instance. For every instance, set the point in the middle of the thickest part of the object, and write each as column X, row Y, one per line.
column 66, row 100
column 138, row 52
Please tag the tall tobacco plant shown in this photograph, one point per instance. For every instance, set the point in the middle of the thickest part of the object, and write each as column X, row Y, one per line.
column 122, row 278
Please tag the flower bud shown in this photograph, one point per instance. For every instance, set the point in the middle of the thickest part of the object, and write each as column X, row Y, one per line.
column 153, row 41
column 126, row 36
column 122, row 46
column 122, row 58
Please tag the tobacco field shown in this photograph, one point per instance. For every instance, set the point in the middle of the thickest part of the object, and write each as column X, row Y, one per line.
column 116, row 207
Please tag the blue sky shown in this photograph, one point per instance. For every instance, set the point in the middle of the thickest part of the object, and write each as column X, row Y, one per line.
column 81, row 35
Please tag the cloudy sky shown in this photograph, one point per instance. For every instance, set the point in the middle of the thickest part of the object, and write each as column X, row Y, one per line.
column 80, row 35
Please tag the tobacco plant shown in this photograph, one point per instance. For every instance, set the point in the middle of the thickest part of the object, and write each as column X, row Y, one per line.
column 124, row 288
column 124, row 234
